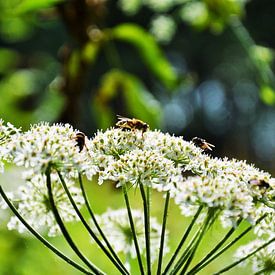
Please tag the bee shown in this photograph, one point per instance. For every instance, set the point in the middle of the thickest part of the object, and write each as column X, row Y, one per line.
column 131, row 124
column 260, row 183
column 199, row 142
column 80, row 140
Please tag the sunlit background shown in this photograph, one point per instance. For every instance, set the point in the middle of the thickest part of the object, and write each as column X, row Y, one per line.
column 190, row 67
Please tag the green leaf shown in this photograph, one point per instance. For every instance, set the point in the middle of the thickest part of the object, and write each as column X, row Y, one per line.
column 33, row 5
column 149, row 51
column 133, row 95
column 267, row 95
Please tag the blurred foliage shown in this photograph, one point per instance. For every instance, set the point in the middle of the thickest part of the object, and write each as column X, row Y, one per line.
column 192, row 67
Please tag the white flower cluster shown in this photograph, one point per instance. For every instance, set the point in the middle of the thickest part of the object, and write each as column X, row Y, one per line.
column 226, row 185
column 238, row 190
column 35, row 150
column 160, row 160
column 43, row 145
column 6, row 132
column 116, row 227
column 263, row 261
column 154, row 159
column 34, row 205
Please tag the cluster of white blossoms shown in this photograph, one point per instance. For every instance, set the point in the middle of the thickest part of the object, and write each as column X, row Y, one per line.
column 116, row 227
column 35, row 150
column 33, row 203
column 160, row 161
column 227, row 185
column 263, row 261
column 43, row 145
column 235, row 189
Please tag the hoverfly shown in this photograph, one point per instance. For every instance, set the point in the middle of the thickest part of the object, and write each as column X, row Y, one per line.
column 199, row 142
column 260, row 183
column 125, row 123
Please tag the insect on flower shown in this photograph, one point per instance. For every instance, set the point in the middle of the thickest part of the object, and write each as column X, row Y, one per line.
column 80, row 140
column 202, row 143
column 260, row 183
column 131, row 124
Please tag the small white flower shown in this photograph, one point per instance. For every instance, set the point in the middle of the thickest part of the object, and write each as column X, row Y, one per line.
column 34, row 206
column 143, row 167
column 180, row 151
column 116, row 227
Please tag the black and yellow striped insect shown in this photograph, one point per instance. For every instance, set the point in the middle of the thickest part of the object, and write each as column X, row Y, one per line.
column 131, row 124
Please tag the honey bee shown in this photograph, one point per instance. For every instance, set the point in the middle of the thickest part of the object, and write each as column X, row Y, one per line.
column 260, row 183
column 199, row 142
column 80, row 140
column 131, row 124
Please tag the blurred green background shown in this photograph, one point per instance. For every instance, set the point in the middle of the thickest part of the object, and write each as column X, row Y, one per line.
column 190, row 67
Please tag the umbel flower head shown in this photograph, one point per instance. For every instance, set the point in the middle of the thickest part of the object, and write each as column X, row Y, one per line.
column 33, row 203
column 116, row 227
column 263, row 261
column 225, row 185
column 44, row 144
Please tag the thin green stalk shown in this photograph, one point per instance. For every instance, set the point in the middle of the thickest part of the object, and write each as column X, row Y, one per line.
column 146, row 208
column 206, row 226
column 230, row 244
column 40, row 238
column 191, row 248
column 97, row 225
column 183, row 239
column 196, row 268
column 63, row 228
column 186, row 253
column 162, row 238
column 246, row 257
column 262, row 271
column 132, row 225
column 86, row 225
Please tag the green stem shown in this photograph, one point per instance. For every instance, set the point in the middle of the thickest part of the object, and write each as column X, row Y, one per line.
column 194, row 243
column 206, row 226
column 198, row 267
column 183, row 239
column 133, row 228
column 246, row 257
column 230, row 244
column 63, row 228
column 40, row 238
column 97, row 225
column 86, row 225
column 164, row 219
column 146, row 208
